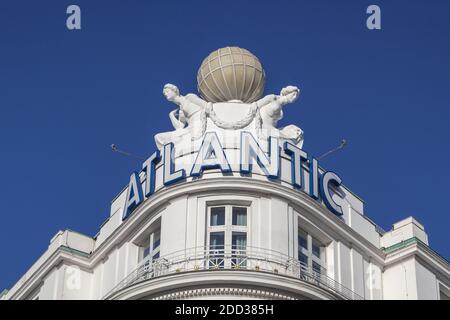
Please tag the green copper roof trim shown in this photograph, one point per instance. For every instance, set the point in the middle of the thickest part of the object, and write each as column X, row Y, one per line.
column 401, row 245
column 410, row 241
column 75, row 251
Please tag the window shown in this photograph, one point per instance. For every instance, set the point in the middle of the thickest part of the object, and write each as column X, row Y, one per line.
column 227, row 236
column 217, row 216
column 216, row 246
column 150, row 250
column 311, row 253
column 239, row 216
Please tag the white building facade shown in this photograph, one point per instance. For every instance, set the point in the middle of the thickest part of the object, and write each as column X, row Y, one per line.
column 232, row 207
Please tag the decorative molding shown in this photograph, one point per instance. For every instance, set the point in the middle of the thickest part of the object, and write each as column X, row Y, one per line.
column 218, row 292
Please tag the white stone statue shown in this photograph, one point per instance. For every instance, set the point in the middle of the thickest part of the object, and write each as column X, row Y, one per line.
column 271, row 111
column 230, row 102
column 189, row 119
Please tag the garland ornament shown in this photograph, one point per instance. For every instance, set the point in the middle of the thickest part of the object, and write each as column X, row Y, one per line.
column 232, row 125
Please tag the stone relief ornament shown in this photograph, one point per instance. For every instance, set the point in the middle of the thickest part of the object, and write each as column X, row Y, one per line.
column 239, row 124
column 230, row 82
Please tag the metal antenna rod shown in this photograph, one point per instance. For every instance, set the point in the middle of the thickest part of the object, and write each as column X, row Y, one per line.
column 343, row 144
column 114, row 148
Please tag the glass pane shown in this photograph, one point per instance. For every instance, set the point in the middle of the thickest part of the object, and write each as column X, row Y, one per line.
column 156, row 240
column 316, row 267
column 239, row 240
column 146, row 252
column 302, row 242
column 156, row 244
column 217, row 216
column 239, row 216
column 239, row 243
column 155, row 256
column 303, row 259
column 316, row 249
column 216, row 246
column 216, row 240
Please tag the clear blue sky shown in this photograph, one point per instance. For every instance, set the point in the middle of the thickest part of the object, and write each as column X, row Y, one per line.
column 65, row 96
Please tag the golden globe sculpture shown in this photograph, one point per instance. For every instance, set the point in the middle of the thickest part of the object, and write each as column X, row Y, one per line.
column 231, row 73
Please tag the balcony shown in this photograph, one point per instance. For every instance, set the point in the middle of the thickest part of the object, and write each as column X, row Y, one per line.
column 232, row 258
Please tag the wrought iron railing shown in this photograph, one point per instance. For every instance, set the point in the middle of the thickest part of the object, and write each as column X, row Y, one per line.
column 234, row 258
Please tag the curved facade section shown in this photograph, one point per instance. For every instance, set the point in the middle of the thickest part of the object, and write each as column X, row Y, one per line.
column 235, row 284
column 188, row 219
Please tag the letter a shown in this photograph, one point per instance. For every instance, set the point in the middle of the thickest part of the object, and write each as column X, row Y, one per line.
column 374, row 20
column 74, row 20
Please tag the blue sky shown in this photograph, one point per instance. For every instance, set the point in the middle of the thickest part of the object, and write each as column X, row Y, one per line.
column 65, row 96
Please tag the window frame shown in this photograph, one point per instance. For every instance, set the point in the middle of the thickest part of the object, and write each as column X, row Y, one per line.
column 148, row 259
column 152, row 251
column 228, row 229
column 308, row 251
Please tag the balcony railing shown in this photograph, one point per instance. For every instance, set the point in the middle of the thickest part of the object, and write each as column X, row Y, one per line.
column 232, row 258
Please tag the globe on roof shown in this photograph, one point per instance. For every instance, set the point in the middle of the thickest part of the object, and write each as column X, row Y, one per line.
column 231, row 73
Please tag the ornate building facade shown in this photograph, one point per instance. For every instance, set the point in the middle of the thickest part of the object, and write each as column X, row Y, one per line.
column 230, row 206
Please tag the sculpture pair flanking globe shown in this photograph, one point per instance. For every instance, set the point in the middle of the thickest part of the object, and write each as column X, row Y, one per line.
column 230, row 82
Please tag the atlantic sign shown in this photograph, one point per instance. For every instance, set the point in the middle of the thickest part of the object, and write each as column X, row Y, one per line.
column 211, row 155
